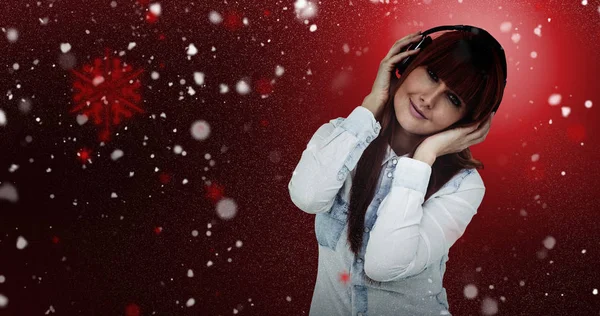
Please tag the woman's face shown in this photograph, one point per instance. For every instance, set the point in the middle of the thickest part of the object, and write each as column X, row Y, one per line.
column 432, row 98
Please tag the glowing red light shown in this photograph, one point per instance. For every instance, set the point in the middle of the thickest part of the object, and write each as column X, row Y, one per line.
column 263, row 86
column 344, row 277
column 164, row 178
column 151, row 17
column 214, row 192
column 84, row 154
column 132, row 310
column 233, row 21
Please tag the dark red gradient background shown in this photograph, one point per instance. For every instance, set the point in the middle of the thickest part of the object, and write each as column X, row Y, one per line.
column 130, row 256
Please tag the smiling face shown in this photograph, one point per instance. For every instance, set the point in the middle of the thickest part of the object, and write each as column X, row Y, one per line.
column 430, row 95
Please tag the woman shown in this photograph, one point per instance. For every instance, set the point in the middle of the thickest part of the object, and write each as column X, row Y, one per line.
column 384, row 233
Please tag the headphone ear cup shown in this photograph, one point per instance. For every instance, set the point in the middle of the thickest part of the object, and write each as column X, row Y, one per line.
column 403, row 64
column 401, row 67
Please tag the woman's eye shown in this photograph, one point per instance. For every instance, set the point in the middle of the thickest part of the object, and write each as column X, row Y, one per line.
column 454, row 100
column 431, row 74
column 457, row 102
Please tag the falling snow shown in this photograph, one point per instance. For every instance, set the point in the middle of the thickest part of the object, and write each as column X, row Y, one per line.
column 12, row 35
column 116, row 154
column 2, row 118
column 215, row 17
column 8, row 192
column 554, row 99
column 192, row 50
column 21, row 243
column 200, row 130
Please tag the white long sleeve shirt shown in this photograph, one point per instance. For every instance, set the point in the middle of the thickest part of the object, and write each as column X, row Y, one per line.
column 406, row 239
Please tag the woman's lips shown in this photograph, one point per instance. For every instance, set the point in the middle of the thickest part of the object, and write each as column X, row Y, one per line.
column 414, row 108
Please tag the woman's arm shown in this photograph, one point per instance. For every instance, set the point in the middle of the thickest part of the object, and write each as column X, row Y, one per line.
column 332, row 152
column 409, row 235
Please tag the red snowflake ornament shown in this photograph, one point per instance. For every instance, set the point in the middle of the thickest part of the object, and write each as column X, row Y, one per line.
column 107, row 91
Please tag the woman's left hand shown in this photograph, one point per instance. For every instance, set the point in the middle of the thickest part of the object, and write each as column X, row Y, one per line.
column 456, row 139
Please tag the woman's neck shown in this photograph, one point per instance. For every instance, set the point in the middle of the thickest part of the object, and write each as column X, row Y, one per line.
column 403, row 141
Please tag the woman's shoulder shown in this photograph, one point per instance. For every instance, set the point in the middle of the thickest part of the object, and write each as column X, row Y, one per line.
column 464, row 179
column 470, row 179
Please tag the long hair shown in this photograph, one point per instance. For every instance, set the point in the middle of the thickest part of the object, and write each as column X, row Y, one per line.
column 474, row 72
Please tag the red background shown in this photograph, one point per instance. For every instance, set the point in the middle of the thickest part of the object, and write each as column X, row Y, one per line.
column 84, row 259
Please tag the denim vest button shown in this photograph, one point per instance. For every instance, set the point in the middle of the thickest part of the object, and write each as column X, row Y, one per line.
column 368, row 139
column 367, row 229
column 359, row 260
column 394, row 161
column 389, row 174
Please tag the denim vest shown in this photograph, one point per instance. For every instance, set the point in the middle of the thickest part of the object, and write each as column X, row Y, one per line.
column 423, row 292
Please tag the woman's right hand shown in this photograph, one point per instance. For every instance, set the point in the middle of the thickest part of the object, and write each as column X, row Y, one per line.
column 380, row 91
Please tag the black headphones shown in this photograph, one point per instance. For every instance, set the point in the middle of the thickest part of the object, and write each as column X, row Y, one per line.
column 426, row 40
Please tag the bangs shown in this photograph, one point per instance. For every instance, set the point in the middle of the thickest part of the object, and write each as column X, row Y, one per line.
column 464, row 67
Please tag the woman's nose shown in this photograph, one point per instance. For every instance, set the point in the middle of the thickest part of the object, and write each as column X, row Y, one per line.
column 429, row 98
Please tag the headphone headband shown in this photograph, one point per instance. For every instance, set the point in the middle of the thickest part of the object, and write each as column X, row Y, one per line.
column 475, row 30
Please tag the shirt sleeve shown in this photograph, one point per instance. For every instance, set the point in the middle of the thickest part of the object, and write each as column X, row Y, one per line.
column 408, row 235
column 332, row 152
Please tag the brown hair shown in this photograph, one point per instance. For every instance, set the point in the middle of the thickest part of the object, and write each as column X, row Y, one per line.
column 474, row 72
